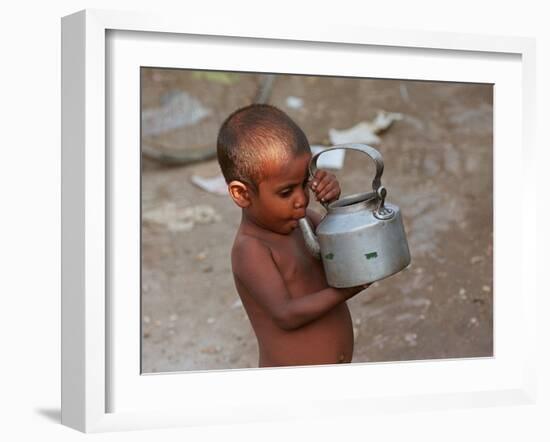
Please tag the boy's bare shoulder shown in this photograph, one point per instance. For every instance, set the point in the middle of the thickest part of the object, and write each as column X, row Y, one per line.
column 244, row 243
column 248, row 247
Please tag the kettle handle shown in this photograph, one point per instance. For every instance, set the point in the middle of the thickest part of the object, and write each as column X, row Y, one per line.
column 370, row 151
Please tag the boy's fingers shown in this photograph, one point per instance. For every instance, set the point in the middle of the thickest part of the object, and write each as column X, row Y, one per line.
column 319, row 175
column 323, row 183
column 321, row 193
column 328, row 195
column 327, row 192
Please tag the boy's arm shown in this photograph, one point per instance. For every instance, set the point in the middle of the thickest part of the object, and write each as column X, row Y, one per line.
column 254, row 267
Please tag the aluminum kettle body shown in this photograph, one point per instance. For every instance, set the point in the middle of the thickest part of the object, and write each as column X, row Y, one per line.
column 361, row 239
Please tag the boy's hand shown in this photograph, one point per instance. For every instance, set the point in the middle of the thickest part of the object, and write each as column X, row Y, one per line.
column 325, row 186
column 352, row 291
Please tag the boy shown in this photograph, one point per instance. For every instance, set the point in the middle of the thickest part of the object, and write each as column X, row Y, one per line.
column 297, row 318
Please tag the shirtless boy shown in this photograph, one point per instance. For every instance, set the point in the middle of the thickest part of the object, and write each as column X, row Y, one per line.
column 297, row 318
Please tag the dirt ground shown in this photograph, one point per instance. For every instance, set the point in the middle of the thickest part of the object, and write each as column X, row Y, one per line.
column 438, row 169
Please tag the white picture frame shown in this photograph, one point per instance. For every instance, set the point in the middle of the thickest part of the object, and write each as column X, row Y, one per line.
column 90, row 361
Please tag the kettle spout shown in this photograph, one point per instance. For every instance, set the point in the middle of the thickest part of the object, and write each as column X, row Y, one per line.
column 311, row 240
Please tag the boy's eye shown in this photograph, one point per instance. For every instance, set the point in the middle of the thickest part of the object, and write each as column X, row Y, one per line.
column 286, row 193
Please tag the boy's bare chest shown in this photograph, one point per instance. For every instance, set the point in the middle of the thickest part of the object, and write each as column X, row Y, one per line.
column 295, row 262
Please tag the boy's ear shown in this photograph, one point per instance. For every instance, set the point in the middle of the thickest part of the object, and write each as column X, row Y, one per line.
column 240, row 193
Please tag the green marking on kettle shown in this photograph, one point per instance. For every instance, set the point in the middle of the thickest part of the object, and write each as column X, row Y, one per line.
column 371, row 255
column 329, row 255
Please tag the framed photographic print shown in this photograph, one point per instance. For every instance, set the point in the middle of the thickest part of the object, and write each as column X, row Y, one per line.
column 154, row 333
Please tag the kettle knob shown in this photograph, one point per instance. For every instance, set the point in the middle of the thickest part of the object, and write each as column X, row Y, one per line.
column 382, row 212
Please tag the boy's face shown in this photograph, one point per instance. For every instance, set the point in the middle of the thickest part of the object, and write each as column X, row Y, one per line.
column 282, row 196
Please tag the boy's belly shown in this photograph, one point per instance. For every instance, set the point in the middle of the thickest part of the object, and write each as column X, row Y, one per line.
column 327, row 340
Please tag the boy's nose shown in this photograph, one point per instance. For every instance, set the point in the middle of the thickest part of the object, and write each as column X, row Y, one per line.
column 300, row 201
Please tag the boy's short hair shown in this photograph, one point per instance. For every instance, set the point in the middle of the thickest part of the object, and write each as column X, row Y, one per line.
column 253, row 137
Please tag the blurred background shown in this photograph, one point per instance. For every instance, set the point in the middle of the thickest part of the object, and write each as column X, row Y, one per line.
column 436, row 139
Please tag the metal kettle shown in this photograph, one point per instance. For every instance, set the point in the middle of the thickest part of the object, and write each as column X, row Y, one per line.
column 361, row 239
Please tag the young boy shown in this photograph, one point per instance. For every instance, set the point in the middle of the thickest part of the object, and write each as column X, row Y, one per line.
column 297, row 318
